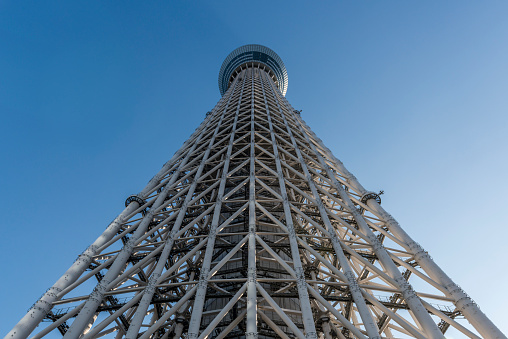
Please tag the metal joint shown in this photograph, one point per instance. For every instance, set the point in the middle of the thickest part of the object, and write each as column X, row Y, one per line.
column 47, row 306
column 152, row 224
column 370, row 195
column 311, row 268
column 467, row 301
column 203, row 231
column 325, row 319
column 194, row 269
column 406, row 288
column 155, row 178
column 85, row 254
column 135, row 198
column 182, row 321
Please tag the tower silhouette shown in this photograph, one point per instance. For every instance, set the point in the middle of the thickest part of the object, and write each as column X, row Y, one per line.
column 253, row 229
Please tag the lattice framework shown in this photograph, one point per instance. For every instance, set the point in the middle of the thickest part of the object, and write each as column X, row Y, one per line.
column 254, row 229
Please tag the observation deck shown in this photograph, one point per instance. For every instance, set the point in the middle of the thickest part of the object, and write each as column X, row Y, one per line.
column 253, row 56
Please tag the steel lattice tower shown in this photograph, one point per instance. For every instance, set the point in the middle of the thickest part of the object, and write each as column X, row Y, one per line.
column 254, row 229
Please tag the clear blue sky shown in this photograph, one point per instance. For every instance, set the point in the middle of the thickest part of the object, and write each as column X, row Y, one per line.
column 95, row 96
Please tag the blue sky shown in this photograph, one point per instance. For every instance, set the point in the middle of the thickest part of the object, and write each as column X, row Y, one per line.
column 95, row 97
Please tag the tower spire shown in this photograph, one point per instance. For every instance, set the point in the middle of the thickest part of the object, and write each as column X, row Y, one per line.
column 253, row 229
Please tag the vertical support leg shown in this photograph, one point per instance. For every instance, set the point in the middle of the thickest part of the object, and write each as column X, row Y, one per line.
column 462, row 301
column 156, row 274
column 197, row 309
column 252, row 330
column 39, row 310
column 307, row 315
column 368, row 321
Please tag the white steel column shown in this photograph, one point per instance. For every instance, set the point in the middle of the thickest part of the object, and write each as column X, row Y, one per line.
column 368, row 321
column 252, row 329
column 462, row 301
column 308, row 319
column 409, row 295
column 156, row 274
column 39, row 310
column 95, row 299
column 199, row 300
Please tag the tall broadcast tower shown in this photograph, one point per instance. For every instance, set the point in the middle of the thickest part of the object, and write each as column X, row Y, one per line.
column 253, row 229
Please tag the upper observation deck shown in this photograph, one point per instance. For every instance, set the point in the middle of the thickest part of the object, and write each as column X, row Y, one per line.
column 253, row 56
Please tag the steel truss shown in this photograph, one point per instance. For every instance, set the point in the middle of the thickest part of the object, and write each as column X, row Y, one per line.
column 254, row 230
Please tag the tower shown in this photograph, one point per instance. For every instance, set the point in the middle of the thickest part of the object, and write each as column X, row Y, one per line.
column 253, row 229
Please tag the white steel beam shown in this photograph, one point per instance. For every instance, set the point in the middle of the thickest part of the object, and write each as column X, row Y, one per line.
column 308, row 318
column 251, row 330
column 199, row 300
column 368, row 321
column 463, row 302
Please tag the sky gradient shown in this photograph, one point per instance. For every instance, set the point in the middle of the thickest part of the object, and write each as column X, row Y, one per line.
column 95, row 97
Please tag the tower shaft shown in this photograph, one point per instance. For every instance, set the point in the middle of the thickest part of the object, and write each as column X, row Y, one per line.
column 254, row 230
